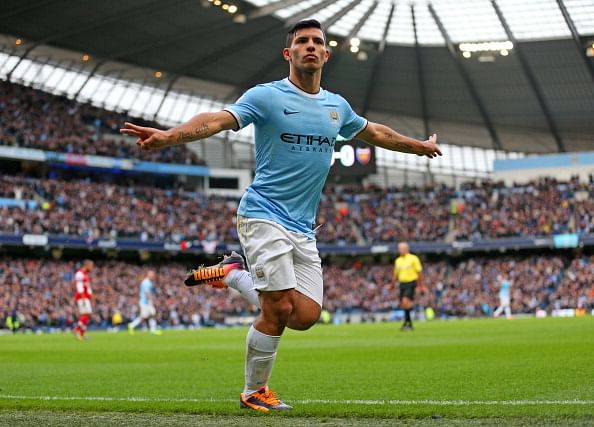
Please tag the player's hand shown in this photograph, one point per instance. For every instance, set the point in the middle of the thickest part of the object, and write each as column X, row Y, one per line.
column 148, row 138
column 430, row 148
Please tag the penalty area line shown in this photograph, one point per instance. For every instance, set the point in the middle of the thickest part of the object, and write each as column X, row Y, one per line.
column 310, row 401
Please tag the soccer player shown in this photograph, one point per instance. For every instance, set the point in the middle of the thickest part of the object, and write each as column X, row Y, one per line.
column 504, row 297
column 83, row 296
column 296, row 126
column 408, row 271
column 147, row 307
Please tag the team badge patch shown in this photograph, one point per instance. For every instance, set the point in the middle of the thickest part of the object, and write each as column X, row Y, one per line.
column 334, row 117
column 363, row 155
column 259, row 271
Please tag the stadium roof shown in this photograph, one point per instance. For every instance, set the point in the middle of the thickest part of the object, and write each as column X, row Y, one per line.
column 408, row 64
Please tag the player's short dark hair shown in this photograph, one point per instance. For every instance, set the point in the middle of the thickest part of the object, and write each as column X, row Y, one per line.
column 306, row 23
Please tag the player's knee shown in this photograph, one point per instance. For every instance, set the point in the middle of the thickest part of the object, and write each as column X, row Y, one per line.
column 277, row 310
column 304, row 320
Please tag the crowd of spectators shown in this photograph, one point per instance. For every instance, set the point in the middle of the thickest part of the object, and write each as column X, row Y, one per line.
column 41, row 291
column 348, row 214
column 98, row 210
column 34, row 119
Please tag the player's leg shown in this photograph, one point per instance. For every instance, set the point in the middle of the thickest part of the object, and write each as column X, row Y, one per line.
column 407, row 294
column 229, row 272
column 152, row 321
column 309, row 293
column 134, row 324
column 85, row 310
column 138, row 320
column 241, row 281
column 269, row 253
column 498, row 311
column 508, row 314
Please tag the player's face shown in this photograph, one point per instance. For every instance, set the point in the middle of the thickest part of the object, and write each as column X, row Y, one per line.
column 308, row 50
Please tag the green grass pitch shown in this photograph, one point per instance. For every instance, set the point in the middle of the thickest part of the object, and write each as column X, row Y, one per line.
column 481, row 372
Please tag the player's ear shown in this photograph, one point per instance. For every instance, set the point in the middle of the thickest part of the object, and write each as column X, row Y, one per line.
column 286, row 54
column 326, row 55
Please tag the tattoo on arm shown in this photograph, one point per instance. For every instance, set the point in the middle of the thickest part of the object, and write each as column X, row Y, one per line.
column 200, row 132
column 399, row 145
column 183, row 136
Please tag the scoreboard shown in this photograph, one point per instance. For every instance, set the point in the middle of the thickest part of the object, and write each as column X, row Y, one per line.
column 353, row 158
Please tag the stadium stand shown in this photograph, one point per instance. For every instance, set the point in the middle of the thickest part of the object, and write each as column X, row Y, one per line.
column 349, row 214
column 41, row 291
column 34, row 119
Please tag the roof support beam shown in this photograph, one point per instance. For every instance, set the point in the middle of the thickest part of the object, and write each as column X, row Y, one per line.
column 329, row 67
column 576, row 38
column 371, row 83
column 57, row 66
column 467, row 79
column 361, row 22
column 105, row 77
column 307, row 12
column 269, row 9
column 420, row 74
column 337, row 16
column 89, row 77
column 531, row 79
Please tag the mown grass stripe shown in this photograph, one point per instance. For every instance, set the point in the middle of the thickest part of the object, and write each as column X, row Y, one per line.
column 314, row 401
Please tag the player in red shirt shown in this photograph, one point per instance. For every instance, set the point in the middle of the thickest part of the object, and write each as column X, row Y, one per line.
column 83, row 297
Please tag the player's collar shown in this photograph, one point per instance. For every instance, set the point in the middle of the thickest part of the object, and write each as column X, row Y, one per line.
column 302, row 92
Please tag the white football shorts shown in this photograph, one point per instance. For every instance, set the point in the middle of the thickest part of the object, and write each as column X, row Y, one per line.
column 504, row 302
column 84, row 306
column 280, row 259
column 147, row 310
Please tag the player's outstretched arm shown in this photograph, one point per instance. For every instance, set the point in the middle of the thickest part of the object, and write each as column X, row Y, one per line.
column 200, row 126
column 382, row 136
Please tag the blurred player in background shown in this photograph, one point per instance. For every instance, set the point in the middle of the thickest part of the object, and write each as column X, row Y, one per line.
column 408, row 272
column 296, row 125
column 504, row 296
column 83, row 296
column 146, row 304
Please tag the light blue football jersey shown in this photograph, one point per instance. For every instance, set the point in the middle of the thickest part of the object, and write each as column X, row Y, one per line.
column 504, row 288
column 146, row 289
column 295, row 136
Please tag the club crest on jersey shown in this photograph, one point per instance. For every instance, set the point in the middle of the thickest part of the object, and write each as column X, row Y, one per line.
column 259, row 271
column 334, row 117
column 363, row 155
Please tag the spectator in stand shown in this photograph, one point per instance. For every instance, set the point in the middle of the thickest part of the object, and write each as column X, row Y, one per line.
column 42, row 289
column 34, row 119
column 352, row 214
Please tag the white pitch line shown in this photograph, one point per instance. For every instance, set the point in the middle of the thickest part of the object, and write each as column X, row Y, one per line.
column 314, row 401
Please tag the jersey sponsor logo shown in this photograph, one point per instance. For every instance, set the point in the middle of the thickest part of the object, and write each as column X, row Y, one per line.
column 289, row 112
column 293, row 138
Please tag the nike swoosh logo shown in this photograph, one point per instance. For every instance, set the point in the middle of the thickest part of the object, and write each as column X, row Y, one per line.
column 287, row 112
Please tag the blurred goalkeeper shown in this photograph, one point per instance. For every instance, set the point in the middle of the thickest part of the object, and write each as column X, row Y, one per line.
column 296, row 125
